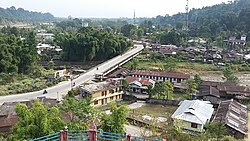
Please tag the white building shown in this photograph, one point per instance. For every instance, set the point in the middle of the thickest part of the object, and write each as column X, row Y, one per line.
column 192, row 115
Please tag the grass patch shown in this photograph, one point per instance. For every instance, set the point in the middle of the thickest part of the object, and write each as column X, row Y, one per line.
column 154, row 111
column 180, row 96
column 197, row 66
column 187, row 67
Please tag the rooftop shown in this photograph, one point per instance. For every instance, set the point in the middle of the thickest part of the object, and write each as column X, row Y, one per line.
column 209, row 90
column 10, row 107
column 163, row 74
column 143, row 81
column 234, row 89
column 194, row 111
column 233, row 114
column 121, row 71
column 96, row 87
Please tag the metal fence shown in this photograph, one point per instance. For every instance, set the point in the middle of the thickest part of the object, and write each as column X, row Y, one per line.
column 91, row 135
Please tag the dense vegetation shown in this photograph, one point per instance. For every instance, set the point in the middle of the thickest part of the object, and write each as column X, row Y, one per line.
column 37, row 121
column 212, row 21
column 12, row 14
column 88, row 44
column 41, row 120
column 17, row 55
column 19, row 72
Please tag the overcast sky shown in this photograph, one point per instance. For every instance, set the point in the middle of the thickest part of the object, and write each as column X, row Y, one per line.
column 108, row 8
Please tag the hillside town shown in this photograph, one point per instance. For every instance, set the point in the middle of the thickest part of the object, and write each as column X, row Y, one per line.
column 184, row 77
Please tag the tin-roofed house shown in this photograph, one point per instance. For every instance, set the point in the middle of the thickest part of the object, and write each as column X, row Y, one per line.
column 192, row 115
column 209, row 93
column 103, row 92
column 234, row 116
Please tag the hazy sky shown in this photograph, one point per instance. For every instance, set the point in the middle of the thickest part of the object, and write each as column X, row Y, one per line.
column 108, row 8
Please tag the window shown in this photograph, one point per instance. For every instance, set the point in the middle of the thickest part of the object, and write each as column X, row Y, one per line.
column 193, row 125
column 96, row 102
column 103, row 93
column 111, row 98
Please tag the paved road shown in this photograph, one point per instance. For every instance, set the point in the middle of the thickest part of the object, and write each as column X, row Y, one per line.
column 60, row 89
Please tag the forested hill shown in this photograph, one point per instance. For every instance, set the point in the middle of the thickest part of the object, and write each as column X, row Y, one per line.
column 12, row 15
column 232, row 17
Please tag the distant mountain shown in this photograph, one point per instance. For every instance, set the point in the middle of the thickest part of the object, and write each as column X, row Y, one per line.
column 13, row 15
column 233, row 16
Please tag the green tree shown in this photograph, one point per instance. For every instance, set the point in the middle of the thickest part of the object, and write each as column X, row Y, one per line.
column 167, row 89
column 80, row 112
column 171, row 64
column 228, row 73
column 116, row 120
column 215, row 130
column 163, row 89
column 150, row 91
column 191, row 86
column 129, row 31
column 37, row 121
column 88, row 44
column 171, row 37
column 133, row 64
column 28, row 53
column 197, row 80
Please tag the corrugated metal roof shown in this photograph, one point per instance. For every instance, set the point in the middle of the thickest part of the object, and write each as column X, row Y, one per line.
column 233, row 114
column 194, row 111
column 121, row 71
column 162, row 74
column 208, row 90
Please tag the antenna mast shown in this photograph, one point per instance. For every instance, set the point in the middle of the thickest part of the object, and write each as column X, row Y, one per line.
column 187, row 10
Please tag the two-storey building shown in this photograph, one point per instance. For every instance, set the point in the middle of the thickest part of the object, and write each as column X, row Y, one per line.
column 103, row 92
